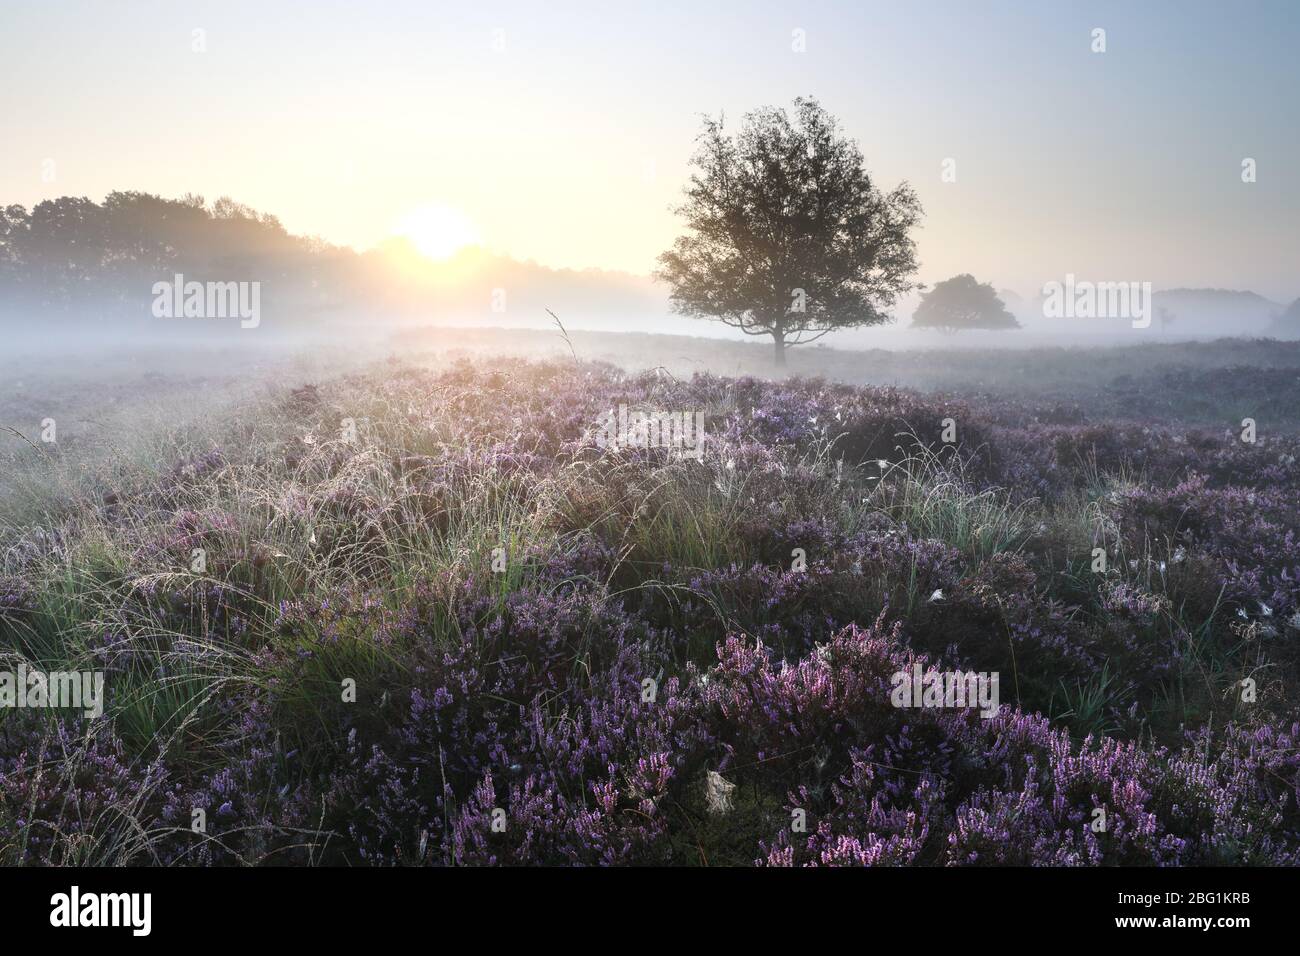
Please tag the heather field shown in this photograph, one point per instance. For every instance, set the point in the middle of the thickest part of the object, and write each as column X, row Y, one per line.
column 422, row 614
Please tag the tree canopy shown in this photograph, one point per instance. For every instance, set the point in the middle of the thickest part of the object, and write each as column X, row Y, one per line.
column 788, row 235
column 962, row 303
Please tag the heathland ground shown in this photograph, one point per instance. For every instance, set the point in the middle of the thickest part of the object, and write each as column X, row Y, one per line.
column 396, row 605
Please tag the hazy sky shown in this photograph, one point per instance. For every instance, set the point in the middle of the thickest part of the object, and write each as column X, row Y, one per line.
column 570, row 144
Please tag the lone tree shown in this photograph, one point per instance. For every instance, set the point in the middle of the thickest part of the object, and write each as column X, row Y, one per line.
column 962, row 303
column 789, row 237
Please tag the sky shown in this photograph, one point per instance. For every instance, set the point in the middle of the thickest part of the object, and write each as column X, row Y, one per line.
column 561, row 132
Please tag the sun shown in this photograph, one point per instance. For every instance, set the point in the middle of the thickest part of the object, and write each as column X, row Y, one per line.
column 437, row 231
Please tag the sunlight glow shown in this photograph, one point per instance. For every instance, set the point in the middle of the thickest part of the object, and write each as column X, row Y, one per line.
column 437, row 231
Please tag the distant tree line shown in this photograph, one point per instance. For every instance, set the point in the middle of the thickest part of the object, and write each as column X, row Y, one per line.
column 71, row 262
column 75, row 258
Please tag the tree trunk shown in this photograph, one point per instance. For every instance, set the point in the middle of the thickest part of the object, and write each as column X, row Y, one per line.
column 778, row 339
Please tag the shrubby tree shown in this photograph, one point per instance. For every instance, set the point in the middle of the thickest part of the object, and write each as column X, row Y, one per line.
column 962, row 303
column 788, row 235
